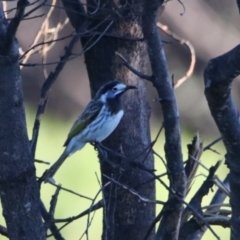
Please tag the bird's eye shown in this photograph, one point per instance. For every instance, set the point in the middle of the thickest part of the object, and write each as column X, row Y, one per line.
column 115, row 89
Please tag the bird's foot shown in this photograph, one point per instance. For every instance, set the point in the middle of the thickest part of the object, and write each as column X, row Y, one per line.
column 96, row 145
column 47, row 177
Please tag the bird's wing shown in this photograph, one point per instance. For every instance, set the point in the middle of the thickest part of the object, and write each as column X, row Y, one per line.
column 87, row 116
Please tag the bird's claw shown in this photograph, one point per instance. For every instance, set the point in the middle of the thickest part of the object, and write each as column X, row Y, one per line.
column 47, row 177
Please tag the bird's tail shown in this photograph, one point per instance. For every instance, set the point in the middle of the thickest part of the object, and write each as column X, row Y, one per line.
column 49, row 173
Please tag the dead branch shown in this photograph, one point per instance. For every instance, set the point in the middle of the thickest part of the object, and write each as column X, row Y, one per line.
column 54, row 200
column 144, row 199
column 126, row 64
column 195, row 204
column 45, row 89
column 170, row 223
column 3, row 231
column 195, row 150
column 218, row 77
column 49, row 223
column 187, row 43
column 95, row 207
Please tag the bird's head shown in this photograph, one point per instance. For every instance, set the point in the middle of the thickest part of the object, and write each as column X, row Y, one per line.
column 112, row 90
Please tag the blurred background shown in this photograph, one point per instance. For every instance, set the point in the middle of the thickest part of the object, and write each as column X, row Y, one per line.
column 212, row 28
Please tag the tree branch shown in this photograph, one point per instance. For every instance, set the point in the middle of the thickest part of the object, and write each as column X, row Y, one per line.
column 193, row 228
column 139, row 74
column 3, row 231
column 188, row 44
column 45, row 89
column 49, row 221
column 195, row 150
column 202, row 191
column 218, row 77
column 13, row 25
column 18, row 187
column 169, row 226
column 218, row 220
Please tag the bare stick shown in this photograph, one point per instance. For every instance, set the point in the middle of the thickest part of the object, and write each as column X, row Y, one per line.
column 144, row 199
column 3, row 231
column 208, row 147
column 45, row 89
column 170, row 224
column 70, row 191
column 41, row 161
column 218, row 77
column 126, row 64
column 53, row 202
column 95, row 207
column 50, row 223
column 187, row 43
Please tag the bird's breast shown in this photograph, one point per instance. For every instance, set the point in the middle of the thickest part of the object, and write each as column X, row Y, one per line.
column 104, row 125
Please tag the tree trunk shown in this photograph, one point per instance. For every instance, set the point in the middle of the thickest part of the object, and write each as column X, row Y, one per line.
column 18, row 187
column 125, row 215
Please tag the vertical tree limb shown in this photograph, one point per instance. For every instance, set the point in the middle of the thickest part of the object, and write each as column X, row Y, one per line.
column 125, row 217
column 169, row 226
column 18, row 187
column 218, row 76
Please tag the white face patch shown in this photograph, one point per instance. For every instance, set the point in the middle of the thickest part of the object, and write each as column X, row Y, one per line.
column 103, row 98
column 112, row 93
column 119, row 88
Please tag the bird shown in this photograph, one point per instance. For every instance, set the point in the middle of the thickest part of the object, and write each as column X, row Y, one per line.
column 97, row 121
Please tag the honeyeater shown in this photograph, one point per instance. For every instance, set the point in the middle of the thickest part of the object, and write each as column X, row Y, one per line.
column 98, row 120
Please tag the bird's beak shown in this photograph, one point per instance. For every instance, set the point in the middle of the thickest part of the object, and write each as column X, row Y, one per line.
column 130, row 87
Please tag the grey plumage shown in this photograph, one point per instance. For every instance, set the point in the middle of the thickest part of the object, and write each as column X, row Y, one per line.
column 99, row 119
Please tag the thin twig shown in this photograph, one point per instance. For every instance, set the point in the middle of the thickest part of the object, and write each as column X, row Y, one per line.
column 195, row 150
column 144, row 199
column 34, row 9
column 39, row 34
column 41, row 161
column 95, row 207
column 198, row 162
column 45, row 89
column 70, row 191
column 86, row 212
column 49, row 223
column 182, row 6
column 217, row 205
column 51, row 33
column 126, row 64
column 53, row 202
column 195, row 203
column 188, row 74
column 194, row 212
column 212, row 143
column 224, row 187
column 128, row 160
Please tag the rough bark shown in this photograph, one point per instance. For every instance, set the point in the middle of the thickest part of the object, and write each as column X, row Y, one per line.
column 18, row 187
column 125, row 216
column 218, row 77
